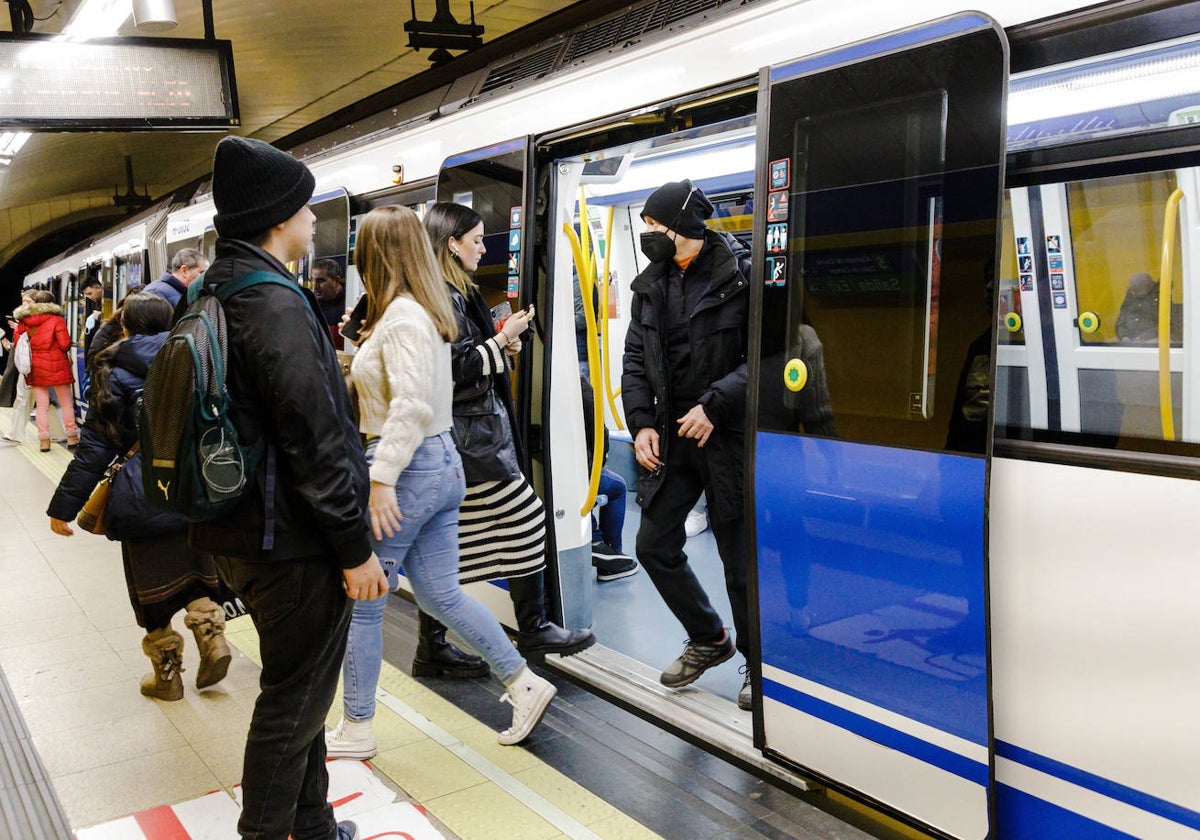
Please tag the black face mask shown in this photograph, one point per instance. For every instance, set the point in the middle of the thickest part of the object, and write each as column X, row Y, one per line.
column 657, row 246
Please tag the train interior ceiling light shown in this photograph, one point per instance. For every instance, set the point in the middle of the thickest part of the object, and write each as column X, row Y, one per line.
column 1134, row 90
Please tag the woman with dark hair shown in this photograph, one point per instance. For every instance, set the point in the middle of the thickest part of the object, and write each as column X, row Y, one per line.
column 502, row 525
column 162, row 574
column 109, row 332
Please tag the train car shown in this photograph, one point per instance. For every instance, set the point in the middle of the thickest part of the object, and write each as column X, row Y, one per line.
column 978, row 229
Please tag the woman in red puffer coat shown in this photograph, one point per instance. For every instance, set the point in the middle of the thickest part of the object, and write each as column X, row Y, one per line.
column 48, row 343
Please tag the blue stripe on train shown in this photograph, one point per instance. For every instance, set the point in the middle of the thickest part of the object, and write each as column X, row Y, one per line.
column 1098, row 784
column 1022, row 816
column 882, row 734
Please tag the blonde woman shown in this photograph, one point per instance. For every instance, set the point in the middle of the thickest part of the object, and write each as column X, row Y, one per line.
column 402, row 374
column 502, row 532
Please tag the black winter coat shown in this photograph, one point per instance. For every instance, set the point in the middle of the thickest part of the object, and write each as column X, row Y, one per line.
column 718, row 335
column 129, row 516
column 286, row 386
column 488, row 453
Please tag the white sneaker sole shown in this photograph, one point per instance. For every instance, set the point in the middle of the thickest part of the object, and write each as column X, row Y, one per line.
column 512, row 737
column 361, row 754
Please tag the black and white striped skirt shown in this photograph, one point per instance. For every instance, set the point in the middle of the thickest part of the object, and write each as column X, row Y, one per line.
column 501, row 531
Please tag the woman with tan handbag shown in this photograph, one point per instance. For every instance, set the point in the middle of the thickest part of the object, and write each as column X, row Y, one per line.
column 163, row 575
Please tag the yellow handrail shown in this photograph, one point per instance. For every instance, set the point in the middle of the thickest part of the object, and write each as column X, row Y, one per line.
column 606, row 357
column 1165, row 403
column 586, row 284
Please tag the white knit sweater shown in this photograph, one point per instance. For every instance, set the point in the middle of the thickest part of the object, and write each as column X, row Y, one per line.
column 405, row 389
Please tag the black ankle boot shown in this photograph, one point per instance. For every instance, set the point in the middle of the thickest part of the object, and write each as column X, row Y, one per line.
column 437, row 657
column 537, row 635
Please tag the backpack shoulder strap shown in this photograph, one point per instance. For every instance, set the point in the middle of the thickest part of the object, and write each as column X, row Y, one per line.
column 229, row 288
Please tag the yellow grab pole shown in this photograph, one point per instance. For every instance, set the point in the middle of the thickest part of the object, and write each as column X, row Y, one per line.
column 597, row 407
column 606, row 357
column 1166, row 267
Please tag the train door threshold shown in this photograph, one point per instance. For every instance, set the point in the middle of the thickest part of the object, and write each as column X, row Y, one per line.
column 713, row 723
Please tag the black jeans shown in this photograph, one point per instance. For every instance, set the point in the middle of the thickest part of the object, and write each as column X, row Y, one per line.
column 661, row 539
column 302, row 616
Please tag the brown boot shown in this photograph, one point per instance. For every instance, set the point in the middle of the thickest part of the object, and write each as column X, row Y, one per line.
column 165, row 649
column 206, row 619
column 43, row 444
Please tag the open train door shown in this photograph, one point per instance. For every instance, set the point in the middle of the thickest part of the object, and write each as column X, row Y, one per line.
column 879, row 191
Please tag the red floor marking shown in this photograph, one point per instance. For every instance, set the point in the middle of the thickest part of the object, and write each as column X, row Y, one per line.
column 161, row 824
column 338, row 803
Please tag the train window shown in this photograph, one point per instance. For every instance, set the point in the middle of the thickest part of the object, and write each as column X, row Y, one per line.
column 492, row 183
column 1109, row 364
column 1116, row 237
column 880, row 232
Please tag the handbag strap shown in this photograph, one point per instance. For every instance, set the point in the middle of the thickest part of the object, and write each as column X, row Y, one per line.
column 117, row 463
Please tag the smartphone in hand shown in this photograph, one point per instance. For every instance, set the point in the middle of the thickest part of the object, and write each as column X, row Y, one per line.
column 500, row 313
column 351, row 328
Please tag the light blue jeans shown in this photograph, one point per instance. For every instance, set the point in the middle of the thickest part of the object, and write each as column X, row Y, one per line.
column 429, row 492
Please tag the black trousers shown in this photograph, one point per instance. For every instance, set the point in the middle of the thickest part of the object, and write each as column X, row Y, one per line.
column 302, row 615
column 661, row 539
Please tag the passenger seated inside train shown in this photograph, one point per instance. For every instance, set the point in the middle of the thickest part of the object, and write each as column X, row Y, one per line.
column 1137, row 322
column 608, row 519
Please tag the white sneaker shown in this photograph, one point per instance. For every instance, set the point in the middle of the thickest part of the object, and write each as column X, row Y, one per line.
column 351, row 739
column 696, row 522
column 530, row 696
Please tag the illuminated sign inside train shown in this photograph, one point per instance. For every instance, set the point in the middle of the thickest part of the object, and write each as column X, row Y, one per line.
column 50, row 83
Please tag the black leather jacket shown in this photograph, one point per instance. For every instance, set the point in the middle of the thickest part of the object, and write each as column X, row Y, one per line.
column 718, row 334
column 488, row 452
column 285, row 384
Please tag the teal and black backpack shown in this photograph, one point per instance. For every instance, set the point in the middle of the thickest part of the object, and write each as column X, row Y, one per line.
column 193, row 463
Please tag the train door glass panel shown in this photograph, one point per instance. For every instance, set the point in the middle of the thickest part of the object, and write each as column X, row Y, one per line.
column 209, row 244
column 881, row 169
column 331, row 231
column 492, row 183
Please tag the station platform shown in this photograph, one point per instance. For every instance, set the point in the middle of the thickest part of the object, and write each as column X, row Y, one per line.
column 84, row 754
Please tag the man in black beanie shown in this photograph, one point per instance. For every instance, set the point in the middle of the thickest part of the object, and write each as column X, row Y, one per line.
column 297, row 545
column 684, row 391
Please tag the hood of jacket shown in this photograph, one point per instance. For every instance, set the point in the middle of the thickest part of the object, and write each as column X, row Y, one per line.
column 37, row 312
column 137, row 352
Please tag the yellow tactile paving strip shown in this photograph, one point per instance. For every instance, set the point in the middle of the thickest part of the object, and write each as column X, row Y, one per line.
column 438, row 755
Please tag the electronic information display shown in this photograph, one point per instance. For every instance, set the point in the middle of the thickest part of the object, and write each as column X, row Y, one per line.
column 52, row 83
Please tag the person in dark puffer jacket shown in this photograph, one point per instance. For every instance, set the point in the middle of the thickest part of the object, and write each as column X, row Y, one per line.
column 163, row 575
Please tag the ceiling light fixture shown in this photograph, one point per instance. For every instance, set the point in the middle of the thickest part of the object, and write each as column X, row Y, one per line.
column 443, row 33
column 154, row 15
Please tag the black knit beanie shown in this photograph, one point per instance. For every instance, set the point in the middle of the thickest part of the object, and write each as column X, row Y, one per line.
column 665, row 203
column 256, row 186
